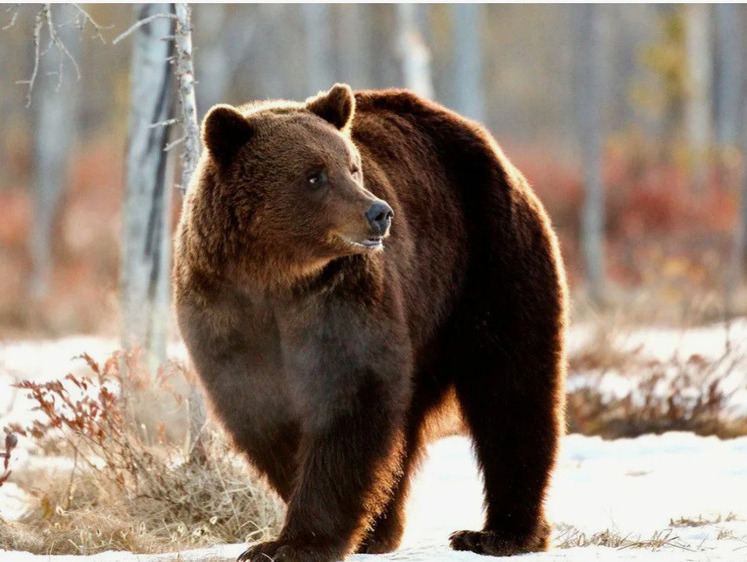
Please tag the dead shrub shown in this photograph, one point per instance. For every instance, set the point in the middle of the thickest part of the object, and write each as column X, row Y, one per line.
column 678, row 394
column 125, row 492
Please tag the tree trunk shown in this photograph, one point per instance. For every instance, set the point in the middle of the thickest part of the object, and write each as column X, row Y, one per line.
column 467, row 62
column 146, row 212
column 190, row 154
column 318, row 31
column 739, row 244
column 185, row 73
column 593, row 212
column 729, row 84
column 54, row 135
column 413, row 52
column 698, row 105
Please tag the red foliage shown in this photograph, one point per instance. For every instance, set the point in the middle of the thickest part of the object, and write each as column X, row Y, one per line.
column 96, row 415
column 85, row 248
column 656, row 225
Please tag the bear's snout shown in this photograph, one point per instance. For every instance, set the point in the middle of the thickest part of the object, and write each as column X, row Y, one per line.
column 379, row 218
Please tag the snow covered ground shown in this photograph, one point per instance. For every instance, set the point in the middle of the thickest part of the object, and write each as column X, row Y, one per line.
column 690, row 490
column 633, row 487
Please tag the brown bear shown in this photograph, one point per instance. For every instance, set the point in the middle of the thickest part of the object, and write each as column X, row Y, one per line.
column 345, row 267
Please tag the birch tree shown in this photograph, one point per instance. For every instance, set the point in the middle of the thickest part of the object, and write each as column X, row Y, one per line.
column 590, row 105
column 56, row 80
column 146, row 211
column 467, row 73
column 156, row 66
column 189, row 156
column 412, row 50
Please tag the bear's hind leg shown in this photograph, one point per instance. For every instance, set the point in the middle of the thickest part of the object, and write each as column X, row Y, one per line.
column 511, row 408
column 508, row 364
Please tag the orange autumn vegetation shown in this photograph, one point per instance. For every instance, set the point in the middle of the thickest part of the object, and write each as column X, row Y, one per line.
column 660, row 234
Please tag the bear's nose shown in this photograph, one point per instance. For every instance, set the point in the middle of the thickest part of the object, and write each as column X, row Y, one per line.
column 380, row 216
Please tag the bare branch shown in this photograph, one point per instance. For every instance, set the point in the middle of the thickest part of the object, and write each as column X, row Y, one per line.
column 44, row 18
column 13, row 18
column 174, row 143
column 97, row 27
column 38, row 24
column 166, row 123
column 140, row 23
column 60, row 46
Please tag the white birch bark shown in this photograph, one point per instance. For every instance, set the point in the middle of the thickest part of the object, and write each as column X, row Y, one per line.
column 145, row 270
column 189, row 156
column 185, row 73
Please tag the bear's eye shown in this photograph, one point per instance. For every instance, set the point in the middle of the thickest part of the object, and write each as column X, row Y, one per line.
column 317, row 178
column 355, row 170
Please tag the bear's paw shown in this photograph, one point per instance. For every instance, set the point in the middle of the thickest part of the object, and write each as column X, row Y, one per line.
column 493, row 543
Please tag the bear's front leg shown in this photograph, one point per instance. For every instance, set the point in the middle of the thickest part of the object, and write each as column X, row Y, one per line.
column 347, row 471
column 348, row 369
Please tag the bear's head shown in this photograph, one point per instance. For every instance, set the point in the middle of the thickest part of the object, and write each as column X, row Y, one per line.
column 282, row 183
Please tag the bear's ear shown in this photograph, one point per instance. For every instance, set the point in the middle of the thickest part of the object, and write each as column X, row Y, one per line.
column 224, row 131
column 336, row 106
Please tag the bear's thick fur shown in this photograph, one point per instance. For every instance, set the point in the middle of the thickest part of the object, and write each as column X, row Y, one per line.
column 328, row 348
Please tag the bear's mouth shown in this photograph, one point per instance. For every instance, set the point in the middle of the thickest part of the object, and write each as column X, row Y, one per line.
column 372, row 242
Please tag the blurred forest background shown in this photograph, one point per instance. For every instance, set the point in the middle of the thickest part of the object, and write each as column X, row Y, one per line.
column 627, row 120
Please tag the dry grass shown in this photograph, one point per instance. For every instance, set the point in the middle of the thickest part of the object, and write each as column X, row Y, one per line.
column 198, row 506
column 123, row 492
column 701, row 521
column 570, row 537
